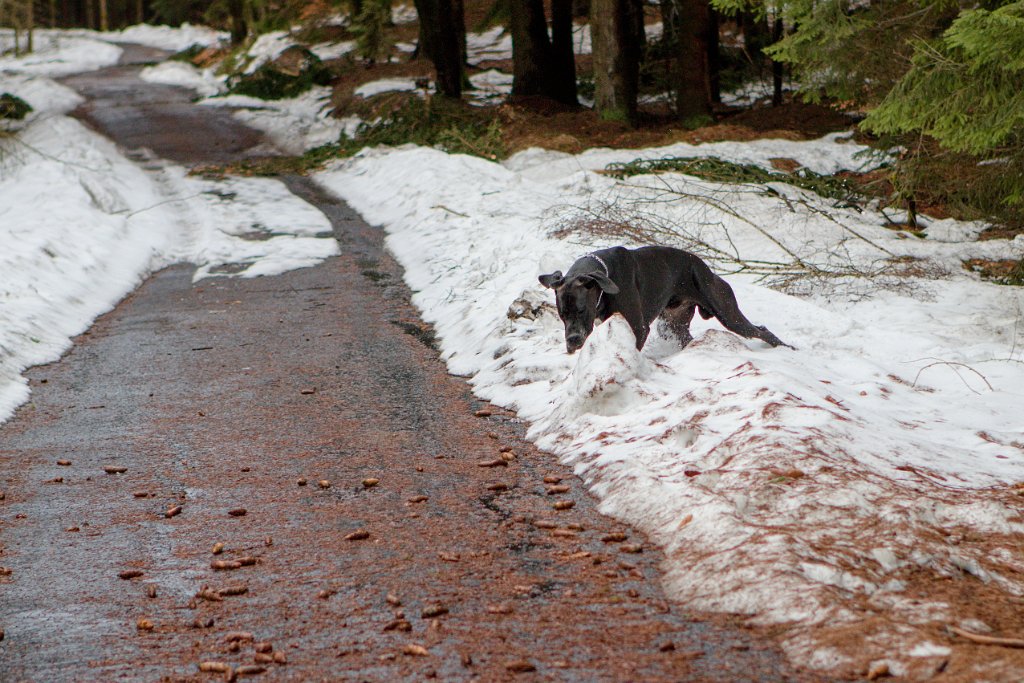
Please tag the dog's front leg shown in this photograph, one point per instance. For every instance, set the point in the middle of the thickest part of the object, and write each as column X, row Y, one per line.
column 640, row 329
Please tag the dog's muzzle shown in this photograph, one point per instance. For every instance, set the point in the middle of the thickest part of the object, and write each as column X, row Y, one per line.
column 573, row 342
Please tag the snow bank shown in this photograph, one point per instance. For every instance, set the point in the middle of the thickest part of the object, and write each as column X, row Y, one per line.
column 66, row 262
column 172, row 38
column 57, row 53
column 791, row 486
column 295, row 125
column 204, row 81
column 371, row 88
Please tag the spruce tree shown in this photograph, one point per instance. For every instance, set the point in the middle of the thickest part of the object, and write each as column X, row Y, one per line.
column 966, row 89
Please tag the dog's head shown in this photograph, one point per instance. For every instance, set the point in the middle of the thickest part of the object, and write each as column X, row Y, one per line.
column 576, row 297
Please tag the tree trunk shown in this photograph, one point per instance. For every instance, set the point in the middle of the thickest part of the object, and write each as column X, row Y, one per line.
column 423, row 45
column 30, row 20
column 239, row 27
column 687, row 26
column 104, row 16
column 459, row 11
column 140, row 12
column 563, row 72
column 777, row 32
column 616, row 59
column 531, row 49
column 714, row 62
column 441, row 37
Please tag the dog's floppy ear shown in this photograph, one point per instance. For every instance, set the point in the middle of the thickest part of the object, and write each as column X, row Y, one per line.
column 551, row 280
column 606, row 285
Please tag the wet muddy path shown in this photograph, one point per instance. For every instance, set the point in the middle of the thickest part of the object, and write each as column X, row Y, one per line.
column 378, row 523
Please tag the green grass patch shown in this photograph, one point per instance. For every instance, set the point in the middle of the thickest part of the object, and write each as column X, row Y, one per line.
column 717, row 170
column 290, row 74
column 275, row 165
column 454, row 127
column 13, row 107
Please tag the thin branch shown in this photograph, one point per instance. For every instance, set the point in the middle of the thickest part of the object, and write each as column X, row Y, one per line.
column 954, row 365
column 986, row 640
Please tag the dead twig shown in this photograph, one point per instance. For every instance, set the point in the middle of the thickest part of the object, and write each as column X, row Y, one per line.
column 452, row 211
column 954, row 365
column 987, row 640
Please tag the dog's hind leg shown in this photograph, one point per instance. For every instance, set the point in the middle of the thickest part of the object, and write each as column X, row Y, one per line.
column 678, row 321
column 723, row 304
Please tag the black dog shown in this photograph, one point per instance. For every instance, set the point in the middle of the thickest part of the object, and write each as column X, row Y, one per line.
column 643, row 284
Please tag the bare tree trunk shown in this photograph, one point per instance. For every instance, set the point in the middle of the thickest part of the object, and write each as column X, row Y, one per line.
column 448, row 62
column 688, row 26
column 30, row 19
column 616, row 59
column 104, row 17
column 777, row 32
column 459, row 11
column 563, row 76
column 441, row 37
column 140, row 12
column 423, row 46
column 90, row 14
column 531, row 49
column 714, row 62
column 239, row 26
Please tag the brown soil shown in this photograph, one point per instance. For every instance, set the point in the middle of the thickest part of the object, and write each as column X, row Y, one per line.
column 569, row 130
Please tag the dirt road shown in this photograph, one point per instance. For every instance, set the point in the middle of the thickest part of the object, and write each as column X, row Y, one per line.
column 376, row 522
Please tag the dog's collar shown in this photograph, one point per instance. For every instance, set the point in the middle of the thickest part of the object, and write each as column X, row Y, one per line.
column 607, row 274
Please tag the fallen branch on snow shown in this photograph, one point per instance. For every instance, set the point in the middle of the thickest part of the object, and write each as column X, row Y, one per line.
column 986, row 640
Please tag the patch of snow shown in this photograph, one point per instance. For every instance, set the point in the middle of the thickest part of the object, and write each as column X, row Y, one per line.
column 294, row 125
column 42, row 94
column 66, row 262
column 327, row 51
column 266, row 48
column 404, row 14
column 57, row 53
column 493, row 44
column 896, row 413
column 830, row 154
column 203, row 81
column 490, row 86
column 385, row 85
column 173, row 38
column 748, row 93
column 927, row 649
column 583, row 43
